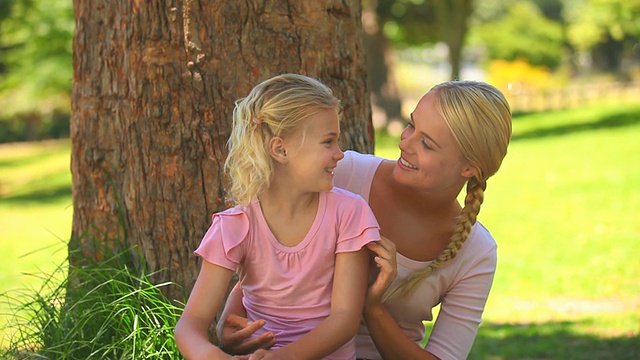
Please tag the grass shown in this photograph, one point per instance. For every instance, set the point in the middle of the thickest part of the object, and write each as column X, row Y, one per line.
column 563, row 209
column 35, row 214
column 110, row 312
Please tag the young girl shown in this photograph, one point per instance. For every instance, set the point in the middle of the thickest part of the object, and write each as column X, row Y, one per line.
column 457, row 137
column 297, row 243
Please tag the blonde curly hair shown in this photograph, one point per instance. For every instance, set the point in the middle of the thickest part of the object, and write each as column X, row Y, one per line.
column 479, row 118
column 274, row 107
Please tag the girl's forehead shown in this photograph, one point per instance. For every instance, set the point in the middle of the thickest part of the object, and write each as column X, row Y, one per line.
column 323, row 119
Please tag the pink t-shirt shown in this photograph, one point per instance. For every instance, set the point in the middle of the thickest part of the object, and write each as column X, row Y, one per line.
column 290, row 287
column 461, row 285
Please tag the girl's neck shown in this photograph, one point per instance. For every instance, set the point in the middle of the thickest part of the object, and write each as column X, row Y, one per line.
column 287, row 203
column 289, row 215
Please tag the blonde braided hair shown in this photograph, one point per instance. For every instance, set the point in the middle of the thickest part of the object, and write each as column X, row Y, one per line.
column 479, row 118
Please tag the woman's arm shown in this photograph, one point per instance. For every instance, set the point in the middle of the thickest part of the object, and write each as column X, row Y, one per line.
column 234, row 330
column 390, row 340
column 347, row 298
column 191, row 331
column 461, row 309
column 387, row 336
column 455, row 328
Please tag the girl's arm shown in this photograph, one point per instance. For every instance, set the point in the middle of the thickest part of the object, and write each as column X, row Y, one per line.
column 347, row 298
column 191, row 331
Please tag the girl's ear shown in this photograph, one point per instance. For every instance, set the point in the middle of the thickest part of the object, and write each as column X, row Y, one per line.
column 277, row 149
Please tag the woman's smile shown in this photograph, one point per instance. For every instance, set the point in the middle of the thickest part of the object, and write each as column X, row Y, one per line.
column 406, row 164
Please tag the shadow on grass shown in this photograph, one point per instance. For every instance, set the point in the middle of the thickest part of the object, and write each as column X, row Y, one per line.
column 48, row 195
column 551, row 340
column 614, row 120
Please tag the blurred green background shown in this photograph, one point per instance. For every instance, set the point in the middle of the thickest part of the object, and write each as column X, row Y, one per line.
column 563, row 208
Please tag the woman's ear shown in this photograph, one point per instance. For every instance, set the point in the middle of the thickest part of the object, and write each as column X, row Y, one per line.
column 469, row 171
column 277, row 149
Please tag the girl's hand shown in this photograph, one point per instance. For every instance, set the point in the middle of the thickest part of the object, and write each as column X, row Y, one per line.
column 235, row 335
column 387, row 269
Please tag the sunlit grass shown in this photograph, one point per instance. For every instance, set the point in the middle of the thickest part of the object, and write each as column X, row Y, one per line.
column 35, row 213
column 564, row 206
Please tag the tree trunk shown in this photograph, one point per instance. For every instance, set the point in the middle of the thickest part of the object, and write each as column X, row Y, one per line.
column 453, row 17
column 154, row 87
column 381, row 79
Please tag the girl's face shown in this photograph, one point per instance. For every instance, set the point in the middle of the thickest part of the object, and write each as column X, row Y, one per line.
column 430, row 159
column 313, row 152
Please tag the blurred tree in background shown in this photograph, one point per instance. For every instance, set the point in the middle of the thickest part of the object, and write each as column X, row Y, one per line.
column 35, row 68
column 605, row 34
column 537, row 39
column 533, row 44
column 399, row 24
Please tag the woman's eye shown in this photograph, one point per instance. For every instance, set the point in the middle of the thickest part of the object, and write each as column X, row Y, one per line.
column 426, row 144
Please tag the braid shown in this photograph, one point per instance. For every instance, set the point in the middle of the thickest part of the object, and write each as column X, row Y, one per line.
column 462, row 228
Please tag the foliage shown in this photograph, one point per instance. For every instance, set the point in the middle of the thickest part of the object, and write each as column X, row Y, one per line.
column 539, row 40
column 36, row 53
column 104, row 310
column 591, row 21
column 408, row 22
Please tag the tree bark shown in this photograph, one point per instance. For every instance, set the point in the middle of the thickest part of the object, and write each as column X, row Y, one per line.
column 154, row 87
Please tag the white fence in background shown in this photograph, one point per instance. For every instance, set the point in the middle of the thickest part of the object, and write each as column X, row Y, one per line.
column 573, row 96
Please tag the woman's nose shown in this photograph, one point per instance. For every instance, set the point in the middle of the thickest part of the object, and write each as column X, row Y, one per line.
column 405, row 140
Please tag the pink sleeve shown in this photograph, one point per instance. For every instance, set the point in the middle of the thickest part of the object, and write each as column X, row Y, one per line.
column 357, row 228
column 221, row 245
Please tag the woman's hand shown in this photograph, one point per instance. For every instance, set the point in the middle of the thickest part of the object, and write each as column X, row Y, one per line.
column 266, row 355
column 235, row 335
column 387, row 270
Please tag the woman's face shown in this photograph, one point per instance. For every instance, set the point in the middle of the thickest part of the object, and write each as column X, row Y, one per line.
column 430, row 158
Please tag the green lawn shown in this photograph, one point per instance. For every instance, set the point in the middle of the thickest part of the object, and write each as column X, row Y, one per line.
column 563, row 209
column 35, row 213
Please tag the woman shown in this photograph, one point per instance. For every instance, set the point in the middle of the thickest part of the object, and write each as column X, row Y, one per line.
column 458, row 134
